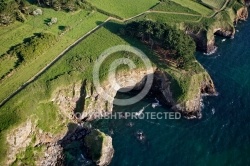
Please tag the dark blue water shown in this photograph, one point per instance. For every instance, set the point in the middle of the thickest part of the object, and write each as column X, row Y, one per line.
column 221, row 137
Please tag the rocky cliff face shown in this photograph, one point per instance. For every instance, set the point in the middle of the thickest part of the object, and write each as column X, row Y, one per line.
column 19, row 139
column 100, row 147
column 204, row 38
column 94, row 104
column 82, row 97
column 28, row 135
column 242, row 14
column 191, row 107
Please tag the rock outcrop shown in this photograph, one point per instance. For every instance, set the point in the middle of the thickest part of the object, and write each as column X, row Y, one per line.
column 19, row 139
column 100, row 147
column 84, row 99
column 190, row 107
column 94, row 104
column 53, row 155
column 242, row 14
column 222, row 26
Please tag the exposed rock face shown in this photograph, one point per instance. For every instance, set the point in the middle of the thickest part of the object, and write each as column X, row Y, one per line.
column 204, row 38
column 66, row 99
column 162, row 88
column 200, row 39
column 242, row 14
column 126, row 79
column 22, row 137
column 91, row 103
column 94, row 104
column 19, row 139
column 53, row 155
column 100, row 147
column 189, row 108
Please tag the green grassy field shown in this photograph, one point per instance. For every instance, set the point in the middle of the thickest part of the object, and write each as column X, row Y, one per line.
column 7, row 62
column 17, row 32
column 216, row 4
column 124, row 9
column 170, row 6
column 80, row 22
column 195, row 6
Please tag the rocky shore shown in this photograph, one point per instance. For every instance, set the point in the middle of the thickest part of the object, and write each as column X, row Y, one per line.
column 205, row 37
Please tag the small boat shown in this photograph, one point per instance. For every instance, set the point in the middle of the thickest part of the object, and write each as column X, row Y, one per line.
column 223, row 40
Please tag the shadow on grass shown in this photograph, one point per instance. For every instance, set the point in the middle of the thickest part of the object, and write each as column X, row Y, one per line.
column 47, row 20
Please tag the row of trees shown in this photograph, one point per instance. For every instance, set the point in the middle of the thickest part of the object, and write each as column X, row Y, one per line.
column 33, row 47
column 165, row 36
column 67, row 5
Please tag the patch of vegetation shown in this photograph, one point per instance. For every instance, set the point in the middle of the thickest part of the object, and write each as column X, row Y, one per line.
column 7, row 64
column 47, row 113
column 236, row 6
column 26, row 157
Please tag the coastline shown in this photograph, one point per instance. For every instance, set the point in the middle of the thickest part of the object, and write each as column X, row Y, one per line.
column 194, row 109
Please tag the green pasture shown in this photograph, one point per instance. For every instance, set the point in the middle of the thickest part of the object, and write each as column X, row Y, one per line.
column 195, row 6
column 124, row 9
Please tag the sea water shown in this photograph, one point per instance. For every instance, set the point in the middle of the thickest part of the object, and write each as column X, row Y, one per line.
column 221, row 137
